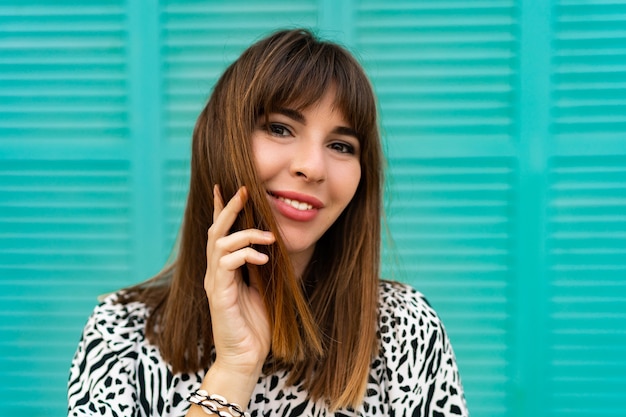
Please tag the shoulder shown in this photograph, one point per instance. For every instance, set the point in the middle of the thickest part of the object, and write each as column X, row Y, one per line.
column 401, row 304
column 105, row 366
column 415, row 363
column 409, row 330
column 120, row 325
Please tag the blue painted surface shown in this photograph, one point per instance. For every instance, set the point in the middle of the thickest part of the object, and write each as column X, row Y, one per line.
column 505, row 128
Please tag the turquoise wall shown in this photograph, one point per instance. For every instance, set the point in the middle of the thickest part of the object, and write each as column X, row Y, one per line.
column 505, row 129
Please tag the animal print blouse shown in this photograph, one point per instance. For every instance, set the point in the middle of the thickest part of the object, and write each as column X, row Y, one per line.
column 116, row 372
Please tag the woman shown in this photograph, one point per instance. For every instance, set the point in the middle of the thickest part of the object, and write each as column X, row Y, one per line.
column 279, row 309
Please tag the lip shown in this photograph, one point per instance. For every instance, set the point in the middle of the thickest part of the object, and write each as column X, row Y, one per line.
column 291, row 212
column 293, row 195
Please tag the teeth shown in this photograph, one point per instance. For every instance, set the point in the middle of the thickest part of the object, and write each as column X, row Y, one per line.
column 299, row 205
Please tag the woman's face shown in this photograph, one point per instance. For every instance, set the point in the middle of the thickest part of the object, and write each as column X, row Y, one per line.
column 308, row 162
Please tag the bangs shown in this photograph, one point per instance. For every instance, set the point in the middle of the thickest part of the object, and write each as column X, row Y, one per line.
column 302, row 72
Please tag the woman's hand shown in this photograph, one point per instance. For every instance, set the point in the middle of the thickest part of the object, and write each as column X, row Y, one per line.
column 241, row 328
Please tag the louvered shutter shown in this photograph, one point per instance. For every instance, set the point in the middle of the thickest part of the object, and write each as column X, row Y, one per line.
column 505, row 128
column 443, row 72
column 586, row 212
column 65, row 187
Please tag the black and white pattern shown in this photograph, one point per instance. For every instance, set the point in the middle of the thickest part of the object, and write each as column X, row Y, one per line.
column 116, row 372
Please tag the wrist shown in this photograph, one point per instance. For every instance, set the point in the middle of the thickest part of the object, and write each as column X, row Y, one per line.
column 232, row 382
column 238, row 367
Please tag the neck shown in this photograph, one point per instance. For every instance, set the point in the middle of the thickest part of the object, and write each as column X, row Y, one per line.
column 301, row 260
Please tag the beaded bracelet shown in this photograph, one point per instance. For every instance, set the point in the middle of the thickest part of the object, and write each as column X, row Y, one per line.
column 212, row 403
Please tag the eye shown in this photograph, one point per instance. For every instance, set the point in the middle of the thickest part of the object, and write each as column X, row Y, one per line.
column 342, row 147
column 279, row 130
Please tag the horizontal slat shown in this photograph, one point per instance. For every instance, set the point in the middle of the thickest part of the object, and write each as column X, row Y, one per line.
column 63, row 75
column 450, row 220
column 590, row 69
column 65, row 237
column 442, row 70
column 587, row 294
column 176, row 183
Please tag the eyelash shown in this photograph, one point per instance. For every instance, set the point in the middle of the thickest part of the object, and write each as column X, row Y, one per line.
column 279, row 130
column 345, row 147
column 272, row 127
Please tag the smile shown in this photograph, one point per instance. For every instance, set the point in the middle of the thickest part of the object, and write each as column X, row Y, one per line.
column 298, row 205
column 295, row 206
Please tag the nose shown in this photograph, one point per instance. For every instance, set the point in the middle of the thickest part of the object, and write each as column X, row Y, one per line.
column 308, row 162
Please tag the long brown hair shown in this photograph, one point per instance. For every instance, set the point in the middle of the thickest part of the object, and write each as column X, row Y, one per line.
column 324, row 323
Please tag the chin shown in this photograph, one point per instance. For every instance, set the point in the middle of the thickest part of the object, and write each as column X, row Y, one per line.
column 303, row 252
column 298, row 242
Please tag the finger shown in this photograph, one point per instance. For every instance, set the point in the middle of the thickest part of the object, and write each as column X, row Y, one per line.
column 241, row 239
column 237, row 259
column 229, row 266
column 227, row 216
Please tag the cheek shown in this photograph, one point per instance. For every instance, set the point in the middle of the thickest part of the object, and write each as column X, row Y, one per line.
column 262, row 158
column 352, row 178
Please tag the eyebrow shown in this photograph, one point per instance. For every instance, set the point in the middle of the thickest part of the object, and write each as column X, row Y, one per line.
column 299, row 117
column 292, row 114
